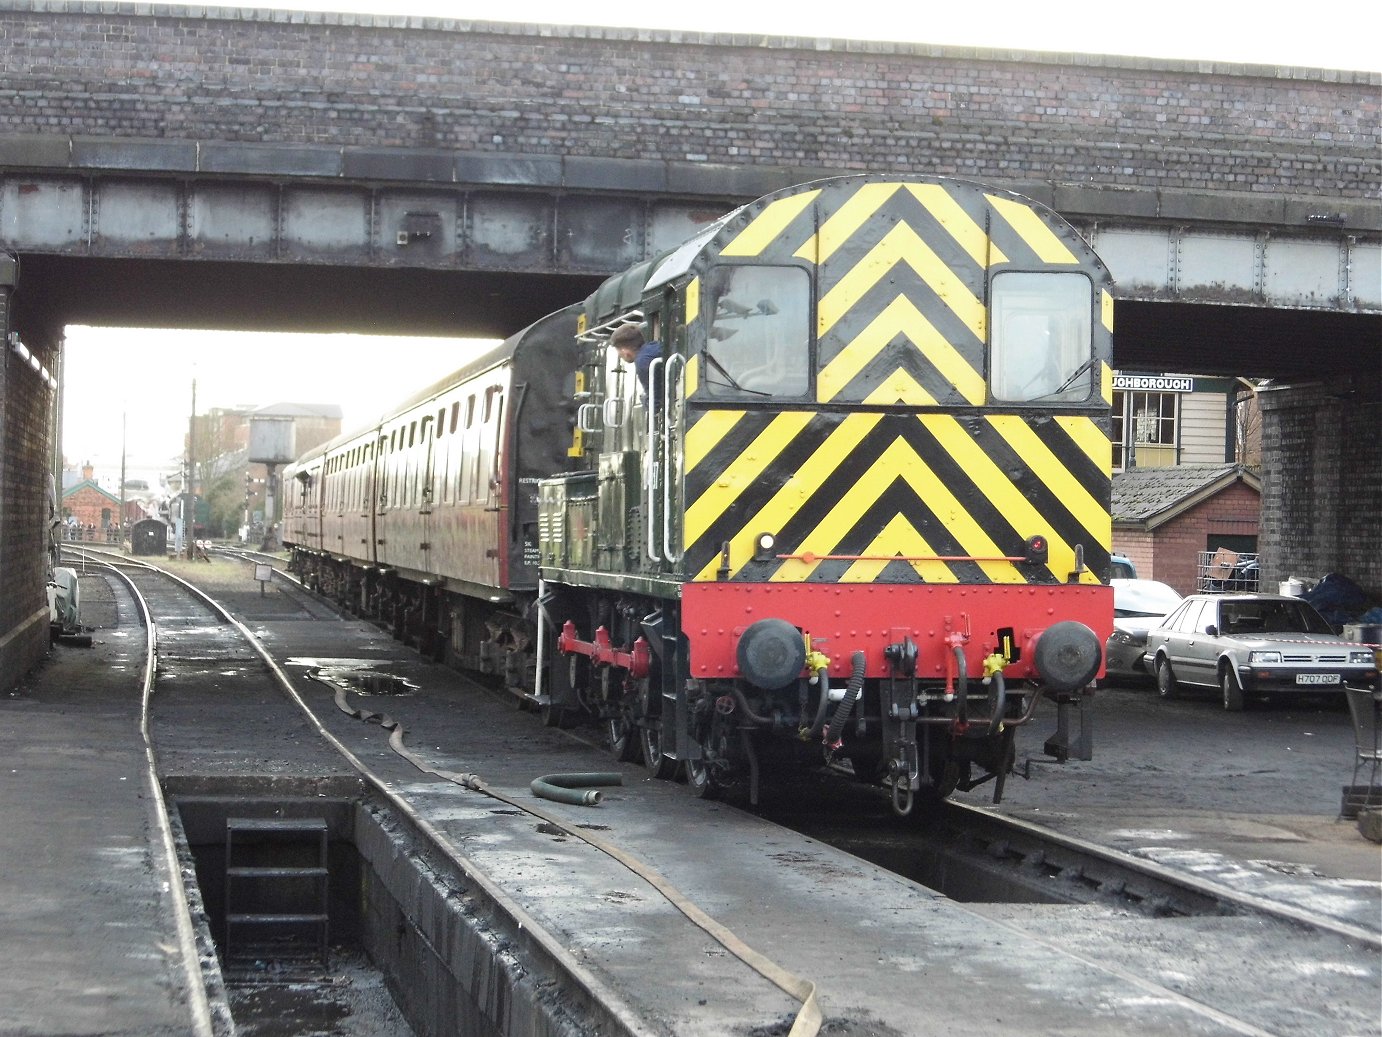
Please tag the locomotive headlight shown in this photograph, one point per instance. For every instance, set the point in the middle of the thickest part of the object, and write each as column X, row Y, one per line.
column 763, row 546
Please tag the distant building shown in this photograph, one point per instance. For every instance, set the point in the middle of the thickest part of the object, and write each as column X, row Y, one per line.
column 87, row 504
column 1163, row 518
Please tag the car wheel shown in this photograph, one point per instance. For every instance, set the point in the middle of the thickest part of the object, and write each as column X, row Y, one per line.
column 1233, row 692
column 1165, row 678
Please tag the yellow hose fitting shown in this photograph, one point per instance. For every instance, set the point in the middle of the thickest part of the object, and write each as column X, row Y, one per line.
column 994, row 664
column 816, row 661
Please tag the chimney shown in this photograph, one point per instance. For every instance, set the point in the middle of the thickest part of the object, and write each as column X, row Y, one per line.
column 88, row 471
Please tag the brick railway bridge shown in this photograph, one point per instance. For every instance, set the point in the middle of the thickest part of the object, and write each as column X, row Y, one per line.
column 233, row 168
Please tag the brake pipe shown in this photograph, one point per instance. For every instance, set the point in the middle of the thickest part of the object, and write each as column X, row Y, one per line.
column 853, row 690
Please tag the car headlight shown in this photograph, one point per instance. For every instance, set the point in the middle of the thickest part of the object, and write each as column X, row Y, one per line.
column 1360, row 658
column 1264, row 658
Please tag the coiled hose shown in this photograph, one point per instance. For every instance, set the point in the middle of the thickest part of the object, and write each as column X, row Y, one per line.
column 853, row 690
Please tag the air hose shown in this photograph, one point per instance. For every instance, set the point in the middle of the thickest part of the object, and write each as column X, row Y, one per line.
column 853, row 690
column 574, row 789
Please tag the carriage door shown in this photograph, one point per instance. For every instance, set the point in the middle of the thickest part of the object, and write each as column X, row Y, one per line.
column 665, row 417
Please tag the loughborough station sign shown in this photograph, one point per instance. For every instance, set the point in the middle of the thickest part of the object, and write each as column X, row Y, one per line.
column 1154, row 382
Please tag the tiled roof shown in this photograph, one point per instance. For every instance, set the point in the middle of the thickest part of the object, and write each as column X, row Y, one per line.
column 89, row 484
column 1144, row 495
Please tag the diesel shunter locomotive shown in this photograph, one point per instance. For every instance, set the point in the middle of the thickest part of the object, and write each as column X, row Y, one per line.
column 849, row 504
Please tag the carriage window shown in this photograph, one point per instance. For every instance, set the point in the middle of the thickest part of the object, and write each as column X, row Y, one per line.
column 760, row 332
column 1042, row 338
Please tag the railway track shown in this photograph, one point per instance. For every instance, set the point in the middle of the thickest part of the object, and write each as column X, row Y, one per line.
column 1011, row 873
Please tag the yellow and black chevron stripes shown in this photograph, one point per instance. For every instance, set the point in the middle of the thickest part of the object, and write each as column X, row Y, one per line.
column 872, row 497
column 901, row 272
column 900, row 319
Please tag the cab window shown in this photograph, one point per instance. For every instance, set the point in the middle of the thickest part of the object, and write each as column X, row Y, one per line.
column 759, row 334
column 1041, row 337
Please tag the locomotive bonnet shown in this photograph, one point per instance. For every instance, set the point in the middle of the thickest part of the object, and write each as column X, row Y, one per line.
column 848, row 503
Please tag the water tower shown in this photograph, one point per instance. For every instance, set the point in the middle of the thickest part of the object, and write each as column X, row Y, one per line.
column 272, row 443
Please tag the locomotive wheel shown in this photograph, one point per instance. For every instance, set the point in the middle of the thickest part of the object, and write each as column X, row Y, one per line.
column 700, row 779
column 567, row 675
column 658, row 765
column 1165, row 679
column 1232, row 691
column 620, row 739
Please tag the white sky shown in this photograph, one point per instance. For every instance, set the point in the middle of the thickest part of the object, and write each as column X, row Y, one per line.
column 256, row 369
column 231, row 369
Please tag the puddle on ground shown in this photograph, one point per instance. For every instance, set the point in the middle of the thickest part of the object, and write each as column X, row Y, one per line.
column 338, row 663
column 363, row 682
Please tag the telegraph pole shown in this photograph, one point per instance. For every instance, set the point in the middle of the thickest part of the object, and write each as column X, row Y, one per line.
column 189, row 506
column 120, row 521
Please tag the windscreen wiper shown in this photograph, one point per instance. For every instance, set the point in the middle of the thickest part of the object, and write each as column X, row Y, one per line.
column 710, row 359
column 1074, row 376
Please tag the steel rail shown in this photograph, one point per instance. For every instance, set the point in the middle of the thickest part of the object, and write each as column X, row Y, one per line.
column 204, row 1024
column 1200, row 887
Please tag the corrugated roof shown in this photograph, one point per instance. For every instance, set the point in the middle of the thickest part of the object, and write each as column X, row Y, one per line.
column 1151, row 496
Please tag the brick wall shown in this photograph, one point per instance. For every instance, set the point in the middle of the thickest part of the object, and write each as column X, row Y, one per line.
column 1323, row 447
column 1137, row 545
column 25, row 450
column 87, row 503
column 231, row 74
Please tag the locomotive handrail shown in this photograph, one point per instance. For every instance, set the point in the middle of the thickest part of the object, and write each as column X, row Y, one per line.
column 582, row 413
column 650, row 481
column 672, row 387
column 614, row 407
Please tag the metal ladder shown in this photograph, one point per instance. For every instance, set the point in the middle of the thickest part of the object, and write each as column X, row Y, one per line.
column 266, row 860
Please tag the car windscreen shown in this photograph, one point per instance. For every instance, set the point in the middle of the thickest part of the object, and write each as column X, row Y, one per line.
column 1271, row 617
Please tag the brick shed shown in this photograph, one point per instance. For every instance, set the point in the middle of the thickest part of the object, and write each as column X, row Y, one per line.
column 1164, row 517
column 90, row 505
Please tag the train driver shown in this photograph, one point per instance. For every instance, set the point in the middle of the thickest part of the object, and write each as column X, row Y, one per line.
column 628, row 343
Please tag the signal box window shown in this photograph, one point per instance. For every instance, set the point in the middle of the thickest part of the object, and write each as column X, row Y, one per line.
column 1042, row 338
column 759, row 341
column 1144, row 429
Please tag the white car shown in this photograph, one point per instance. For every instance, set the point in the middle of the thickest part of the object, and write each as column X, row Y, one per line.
column 1250, row 645
column 1138, row 605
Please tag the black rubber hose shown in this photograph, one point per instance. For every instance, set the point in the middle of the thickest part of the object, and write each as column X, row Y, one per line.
column 574, row 789
column 853, row 690
column 1000, row 703
column 748, row 712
